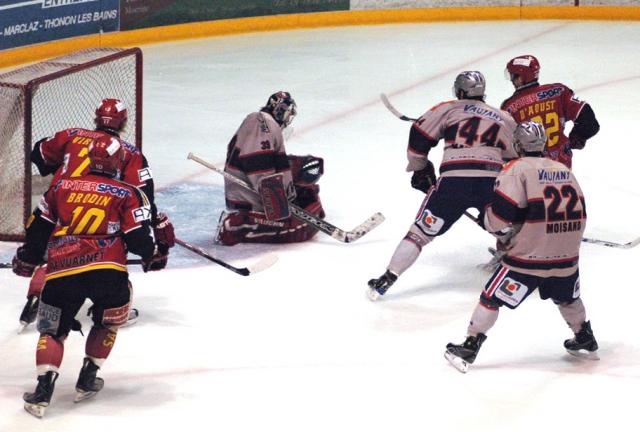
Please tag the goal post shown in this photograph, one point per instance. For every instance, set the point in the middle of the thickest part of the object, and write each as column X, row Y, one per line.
column 40, row 99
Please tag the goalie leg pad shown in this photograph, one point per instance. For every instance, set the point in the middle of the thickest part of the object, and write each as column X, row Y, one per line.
column 253, row 227
column 274, row 197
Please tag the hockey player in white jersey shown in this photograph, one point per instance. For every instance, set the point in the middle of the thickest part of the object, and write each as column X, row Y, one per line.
column 538, row 210
column 477, row 139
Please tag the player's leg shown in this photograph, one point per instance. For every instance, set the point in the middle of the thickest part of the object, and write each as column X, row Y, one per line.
column 442, row 206
column 111, row 294
column 565, row 293
column 30, row 309
column 504, row 288
column 60, row 301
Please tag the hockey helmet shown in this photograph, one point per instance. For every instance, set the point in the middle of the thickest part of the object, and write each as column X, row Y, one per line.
column 112, row 114
column 106, row 156
column 282, row 108
column 525, row 67
column 472, row 85
column 529, row 137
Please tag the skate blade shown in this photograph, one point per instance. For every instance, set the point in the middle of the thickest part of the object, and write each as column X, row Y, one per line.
column 372, row 294
column 84, row 395
column 584, row 354
column 132, row 319
column 23, row 325
column 456, row 362
column 35, row 410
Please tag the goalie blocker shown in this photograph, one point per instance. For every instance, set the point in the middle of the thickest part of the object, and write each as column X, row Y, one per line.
column 274, row 224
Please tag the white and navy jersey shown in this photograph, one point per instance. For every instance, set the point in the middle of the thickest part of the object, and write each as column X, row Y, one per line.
column 478, row 138
column 255, row 151
column 542, row 198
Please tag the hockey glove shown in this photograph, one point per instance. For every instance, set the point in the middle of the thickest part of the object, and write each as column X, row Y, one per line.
column 576, row 142
column 20, row 266
column 424, row 179
column 158, row 261
column 163, row 232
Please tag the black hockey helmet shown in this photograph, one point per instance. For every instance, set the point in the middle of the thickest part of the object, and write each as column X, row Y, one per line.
column 282, row 108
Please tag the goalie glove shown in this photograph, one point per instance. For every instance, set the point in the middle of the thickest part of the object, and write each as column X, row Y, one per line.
column 275, row 199
column 424, row 178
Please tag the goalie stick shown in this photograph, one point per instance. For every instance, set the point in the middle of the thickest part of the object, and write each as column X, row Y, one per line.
column 304, row 216
column 264, row 263
column 628, row 245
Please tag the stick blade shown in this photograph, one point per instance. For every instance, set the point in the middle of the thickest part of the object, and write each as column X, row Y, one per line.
column 263, row 264
column 362, row 229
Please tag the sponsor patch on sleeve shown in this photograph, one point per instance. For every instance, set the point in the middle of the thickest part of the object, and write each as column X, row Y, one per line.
column 141, row 214
column 144, row 174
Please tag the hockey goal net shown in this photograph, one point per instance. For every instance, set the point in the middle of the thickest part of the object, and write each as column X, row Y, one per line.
column 38, row 100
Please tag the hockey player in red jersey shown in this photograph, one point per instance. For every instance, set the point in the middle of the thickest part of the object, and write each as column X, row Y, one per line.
column 256, row 155
column 85, row 225
column 551, row 105
column 538, row 210
column 65, row 155
column 477, row 139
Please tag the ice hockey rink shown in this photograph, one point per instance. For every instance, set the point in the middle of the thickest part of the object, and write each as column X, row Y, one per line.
column 299, row 347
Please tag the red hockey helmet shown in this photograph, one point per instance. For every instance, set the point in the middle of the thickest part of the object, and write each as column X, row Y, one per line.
column 526, row 67
column 106, row 156
column 112, row 113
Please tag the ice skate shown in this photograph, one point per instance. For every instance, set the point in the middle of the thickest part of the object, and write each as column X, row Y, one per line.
column 461, row 356
column 583, row 344
column 133, row 317
column 88, row 383
column 37, row 402
column 379, row 286
column 29, row 312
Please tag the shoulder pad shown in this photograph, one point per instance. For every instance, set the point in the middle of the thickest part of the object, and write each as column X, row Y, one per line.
column 435, row 107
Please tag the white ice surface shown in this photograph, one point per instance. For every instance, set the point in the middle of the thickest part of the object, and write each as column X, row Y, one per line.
column 299, row 347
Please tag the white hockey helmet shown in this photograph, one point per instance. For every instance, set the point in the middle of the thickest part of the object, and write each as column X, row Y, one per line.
column 472, row 85
column 529, row 137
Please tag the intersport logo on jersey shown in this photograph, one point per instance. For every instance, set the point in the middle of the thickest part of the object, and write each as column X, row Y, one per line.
column 58, row 3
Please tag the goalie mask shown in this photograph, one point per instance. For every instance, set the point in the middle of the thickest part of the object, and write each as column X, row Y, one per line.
column 529, row 137
column 469, row 85
column 282, row 108
column 111, row 114
column 106, row 156
column 522, row 70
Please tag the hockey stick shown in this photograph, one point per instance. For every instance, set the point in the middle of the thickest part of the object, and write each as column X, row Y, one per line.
column 263, row 264
column 129, row 262
column 304, row 216
column 628, row 245
column 394, row 111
